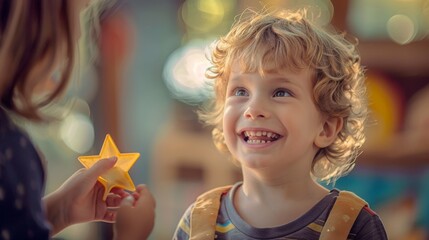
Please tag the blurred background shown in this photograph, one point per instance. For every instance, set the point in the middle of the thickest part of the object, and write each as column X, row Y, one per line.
column 146, row 85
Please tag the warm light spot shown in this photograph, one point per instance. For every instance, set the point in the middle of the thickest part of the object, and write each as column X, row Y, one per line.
column 386, row 104
column 202, row 15
column 401, row 29
column 425, row 19
column 319, row 11
column 77, row 132
column 184, row 72
column 5, row 234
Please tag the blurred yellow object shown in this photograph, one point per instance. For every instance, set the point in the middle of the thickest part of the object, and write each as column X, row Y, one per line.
column 117, row 176
column 386, row 102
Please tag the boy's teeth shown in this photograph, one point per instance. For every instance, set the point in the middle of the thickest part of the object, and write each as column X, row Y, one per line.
column 257, row 141
column 253, row 134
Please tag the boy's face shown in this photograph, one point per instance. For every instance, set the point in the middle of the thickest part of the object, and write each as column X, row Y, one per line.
column 271, row 122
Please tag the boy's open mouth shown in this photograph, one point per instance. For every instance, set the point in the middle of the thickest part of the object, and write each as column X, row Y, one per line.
column 258, row 137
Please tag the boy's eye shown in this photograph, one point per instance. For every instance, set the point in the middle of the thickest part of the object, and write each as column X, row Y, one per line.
column 240, row 92
column 281, row 93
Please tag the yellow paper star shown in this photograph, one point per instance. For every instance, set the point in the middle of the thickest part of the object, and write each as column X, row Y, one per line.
column 118, row 175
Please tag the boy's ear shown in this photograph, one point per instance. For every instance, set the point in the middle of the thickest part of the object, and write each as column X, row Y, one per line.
column 329, row 132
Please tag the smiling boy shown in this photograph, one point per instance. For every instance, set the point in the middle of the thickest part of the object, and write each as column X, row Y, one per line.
column 290, row 108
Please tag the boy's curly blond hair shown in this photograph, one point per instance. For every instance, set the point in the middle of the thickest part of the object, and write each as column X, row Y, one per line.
column 262, row 42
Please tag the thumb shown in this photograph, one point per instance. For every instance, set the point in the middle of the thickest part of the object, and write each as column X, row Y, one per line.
column 127, row 201
column 101, row 166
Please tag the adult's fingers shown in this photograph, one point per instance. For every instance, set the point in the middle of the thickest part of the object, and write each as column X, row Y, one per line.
column 110, row 216
column 113, row 201
column 101, row 167
column 120, row 192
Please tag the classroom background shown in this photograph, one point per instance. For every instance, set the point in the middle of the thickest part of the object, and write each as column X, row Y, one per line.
column 149, row 80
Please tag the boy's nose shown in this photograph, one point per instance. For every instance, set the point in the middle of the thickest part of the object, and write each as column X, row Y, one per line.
column 253, row 112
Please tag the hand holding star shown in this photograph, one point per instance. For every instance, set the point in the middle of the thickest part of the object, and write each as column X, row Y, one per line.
column 118, row 175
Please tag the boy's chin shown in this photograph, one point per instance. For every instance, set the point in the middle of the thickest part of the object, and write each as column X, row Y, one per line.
column 255, row 162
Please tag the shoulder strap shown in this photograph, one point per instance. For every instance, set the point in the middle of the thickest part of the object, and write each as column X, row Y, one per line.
column 204, row 214
column 342, row 216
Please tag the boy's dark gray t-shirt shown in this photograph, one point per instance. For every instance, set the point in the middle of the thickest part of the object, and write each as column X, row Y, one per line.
column 230, row 225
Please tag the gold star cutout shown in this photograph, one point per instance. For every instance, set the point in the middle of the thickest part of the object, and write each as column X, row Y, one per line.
column 118, row 175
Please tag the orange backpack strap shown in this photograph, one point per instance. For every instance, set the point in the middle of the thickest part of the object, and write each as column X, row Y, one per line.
column 342, row 216
column 204, row 214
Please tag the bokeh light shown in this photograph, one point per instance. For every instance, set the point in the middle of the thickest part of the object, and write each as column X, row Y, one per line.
column 321, row 11
column 202, row 15
column 425, row 20
column 184, row 72
column 401, row 29
column 77, row 132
